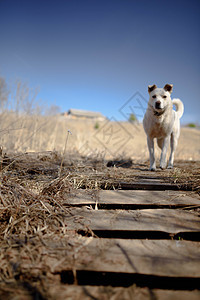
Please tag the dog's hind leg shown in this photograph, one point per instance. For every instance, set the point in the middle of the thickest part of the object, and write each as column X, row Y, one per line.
column 173, row 142
column 150, row 143
column 165, row 145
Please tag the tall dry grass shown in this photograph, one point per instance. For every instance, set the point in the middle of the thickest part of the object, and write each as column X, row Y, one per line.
column 22, row 133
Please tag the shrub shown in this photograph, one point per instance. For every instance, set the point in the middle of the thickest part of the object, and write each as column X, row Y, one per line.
column 96, row 126
column 132, row 118
column 191, row 125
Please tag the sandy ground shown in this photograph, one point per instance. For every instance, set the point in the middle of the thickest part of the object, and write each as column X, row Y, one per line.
column 89, row 138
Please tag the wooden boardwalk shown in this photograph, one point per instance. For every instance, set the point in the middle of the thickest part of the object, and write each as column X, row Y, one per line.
column 148, row 236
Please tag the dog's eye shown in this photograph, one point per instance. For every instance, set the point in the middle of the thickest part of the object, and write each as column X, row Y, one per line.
column 154, row 96
column 164, row 96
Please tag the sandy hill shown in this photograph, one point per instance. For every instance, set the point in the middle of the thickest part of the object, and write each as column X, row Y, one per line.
column 107, row 139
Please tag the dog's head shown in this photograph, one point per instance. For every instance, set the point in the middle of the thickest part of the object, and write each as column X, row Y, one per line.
column 160, row 98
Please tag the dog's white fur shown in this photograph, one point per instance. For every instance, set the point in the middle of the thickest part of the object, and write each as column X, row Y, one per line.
column 163, row 123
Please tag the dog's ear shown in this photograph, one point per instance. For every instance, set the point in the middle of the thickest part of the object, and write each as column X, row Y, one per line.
column 151, row 88
column 168, row 88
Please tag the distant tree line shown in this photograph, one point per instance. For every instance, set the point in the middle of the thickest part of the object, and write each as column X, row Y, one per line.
column 19, row 98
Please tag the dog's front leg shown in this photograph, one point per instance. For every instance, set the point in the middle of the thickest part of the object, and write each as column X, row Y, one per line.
column 165, row 145
column 150, row 143
column 174, row 142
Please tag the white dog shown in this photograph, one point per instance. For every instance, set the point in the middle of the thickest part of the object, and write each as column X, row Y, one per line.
column 163, row 123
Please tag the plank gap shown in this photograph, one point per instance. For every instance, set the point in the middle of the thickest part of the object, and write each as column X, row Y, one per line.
column 156, row 186
column 95, row 278
column 132, row 206
column 141, row 235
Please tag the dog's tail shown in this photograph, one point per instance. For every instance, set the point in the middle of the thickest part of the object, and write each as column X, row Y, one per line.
column 179, row 107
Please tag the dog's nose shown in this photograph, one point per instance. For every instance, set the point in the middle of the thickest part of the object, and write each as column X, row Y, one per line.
column 158, row 104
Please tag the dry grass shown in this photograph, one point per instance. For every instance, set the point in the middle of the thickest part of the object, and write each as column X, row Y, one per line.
column 123, row 139
column 186, row 175
column 34, row 235
column 32, row 213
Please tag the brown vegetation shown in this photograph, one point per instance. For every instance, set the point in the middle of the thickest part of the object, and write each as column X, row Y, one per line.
column 34, row 219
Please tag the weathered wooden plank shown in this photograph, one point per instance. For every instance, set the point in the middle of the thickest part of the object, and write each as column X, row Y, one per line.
column 56, row 290
column 143, row 197
column 115, row 293
column 165, row 220
column 156, row 258
column 134, row 198
column 149, row 185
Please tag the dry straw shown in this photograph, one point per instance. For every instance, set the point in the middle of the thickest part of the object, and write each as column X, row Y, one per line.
column 36, row 219
column 64, row 152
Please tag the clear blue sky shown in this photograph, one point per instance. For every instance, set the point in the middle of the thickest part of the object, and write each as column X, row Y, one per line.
column 95, row 54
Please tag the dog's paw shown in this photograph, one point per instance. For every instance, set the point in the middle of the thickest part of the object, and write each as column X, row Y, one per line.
column 163, row 166
column 170, row 167
column 152, row 169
